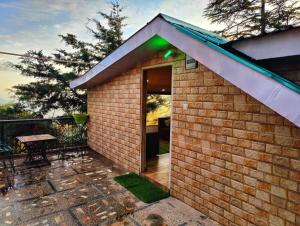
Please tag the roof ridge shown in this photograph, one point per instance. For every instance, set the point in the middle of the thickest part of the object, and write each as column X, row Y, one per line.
column 173, row 20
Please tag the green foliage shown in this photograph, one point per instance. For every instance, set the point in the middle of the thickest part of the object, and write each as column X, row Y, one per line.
column 80, row 119
column 154, row 102
column 13, row 111
column 50, row 89
column 242, row 18
column 68, row 133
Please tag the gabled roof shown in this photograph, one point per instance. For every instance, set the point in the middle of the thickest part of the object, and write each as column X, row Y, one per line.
column 219, row 46
column 209, row 49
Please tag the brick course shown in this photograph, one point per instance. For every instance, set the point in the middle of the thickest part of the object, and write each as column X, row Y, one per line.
column 245, row 157
column 233, row 158
column 114, row 124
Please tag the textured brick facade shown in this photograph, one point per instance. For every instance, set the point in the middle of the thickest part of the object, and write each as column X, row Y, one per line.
column 114, row 110
column 114, row 124
column 232, row 157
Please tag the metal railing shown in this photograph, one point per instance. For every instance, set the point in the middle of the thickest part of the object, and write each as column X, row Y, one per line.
column 67, row 132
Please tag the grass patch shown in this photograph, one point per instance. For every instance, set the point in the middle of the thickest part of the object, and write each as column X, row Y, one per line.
column 142, row 188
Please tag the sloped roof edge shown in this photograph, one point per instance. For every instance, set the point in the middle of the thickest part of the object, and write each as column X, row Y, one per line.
column 263, row 85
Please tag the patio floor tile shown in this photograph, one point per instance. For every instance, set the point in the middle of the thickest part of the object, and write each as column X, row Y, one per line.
column 171, row 211
column 80, row 195
column 60, row 218
column 8, row 215
column 38, row 207
column 106, row 210
column 28, row 192
column 81, row 191
column 67, row 183
column 108, row 186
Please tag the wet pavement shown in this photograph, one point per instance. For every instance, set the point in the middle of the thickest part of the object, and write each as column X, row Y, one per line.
column 81, row 191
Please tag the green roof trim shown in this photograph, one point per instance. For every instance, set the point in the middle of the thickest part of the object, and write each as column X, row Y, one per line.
column 215, row 41
column 215, row 38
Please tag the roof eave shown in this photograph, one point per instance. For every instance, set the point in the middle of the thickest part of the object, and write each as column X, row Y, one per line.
column 136, row 40
column 265, row 89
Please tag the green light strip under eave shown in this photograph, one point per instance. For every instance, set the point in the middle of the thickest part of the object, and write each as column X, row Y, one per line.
column 168, row 53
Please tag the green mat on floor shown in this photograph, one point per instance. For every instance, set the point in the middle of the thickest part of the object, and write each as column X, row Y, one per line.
column 142, row 188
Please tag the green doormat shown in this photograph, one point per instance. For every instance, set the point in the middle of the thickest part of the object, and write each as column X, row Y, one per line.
column 143, row 189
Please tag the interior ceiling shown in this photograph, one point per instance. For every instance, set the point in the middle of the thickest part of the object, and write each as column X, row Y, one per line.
column 159, row 80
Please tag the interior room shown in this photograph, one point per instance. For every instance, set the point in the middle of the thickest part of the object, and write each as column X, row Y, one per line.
column 158, row 124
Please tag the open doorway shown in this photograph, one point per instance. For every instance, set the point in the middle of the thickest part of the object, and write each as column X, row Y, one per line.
column 157, row 124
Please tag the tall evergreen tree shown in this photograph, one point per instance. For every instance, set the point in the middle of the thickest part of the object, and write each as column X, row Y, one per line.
column 252, row 17
column 52, row 74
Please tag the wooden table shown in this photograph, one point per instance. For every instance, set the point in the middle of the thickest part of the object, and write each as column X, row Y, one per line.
column 35, row 146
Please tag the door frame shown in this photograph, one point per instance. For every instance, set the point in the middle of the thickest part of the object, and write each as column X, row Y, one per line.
column 143, row 92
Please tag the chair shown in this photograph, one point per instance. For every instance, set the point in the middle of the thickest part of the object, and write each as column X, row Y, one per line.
column 80, row 140
column 68, row 139
column 7, row 153
column 69, row 136
column 63, row 143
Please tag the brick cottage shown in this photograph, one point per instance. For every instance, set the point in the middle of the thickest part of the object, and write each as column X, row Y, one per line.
column 235, row 136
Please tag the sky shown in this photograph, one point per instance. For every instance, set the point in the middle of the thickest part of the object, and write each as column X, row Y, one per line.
column 35, row 25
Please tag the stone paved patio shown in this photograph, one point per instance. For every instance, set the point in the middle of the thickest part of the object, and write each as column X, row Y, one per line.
column 81, row 191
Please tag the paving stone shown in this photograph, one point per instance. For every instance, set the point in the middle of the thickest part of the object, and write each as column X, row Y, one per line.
column 8, row 215
column 123, row 221
column 101, row 211
column 40, row 206
column 55, row 164
column 171, row 211
column 22, row 170
column 129, row 201
column 67, row 183
column 22, row 180
column 108, row 186
column 80, row 195
column 61, row 219
column 59, row 172
column 97, row 175
column 87, row 167
column 28, row 192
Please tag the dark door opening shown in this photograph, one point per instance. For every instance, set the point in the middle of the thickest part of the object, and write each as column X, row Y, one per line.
column 157, row 124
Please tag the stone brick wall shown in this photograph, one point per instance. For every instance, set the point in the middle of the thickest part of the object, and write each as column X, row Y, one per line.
column 114, row 124
column 114, row 110
column 232, row 157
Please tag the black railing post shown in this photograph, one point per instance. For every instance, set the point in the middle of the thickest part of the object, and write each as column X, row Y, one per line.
column 65, row 129
column 1, row 133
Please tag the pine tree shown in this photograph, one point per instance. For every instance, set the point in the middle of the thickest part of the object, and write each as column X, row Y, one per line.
column 243, row 18
column 13, row 111
column 50, row 89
